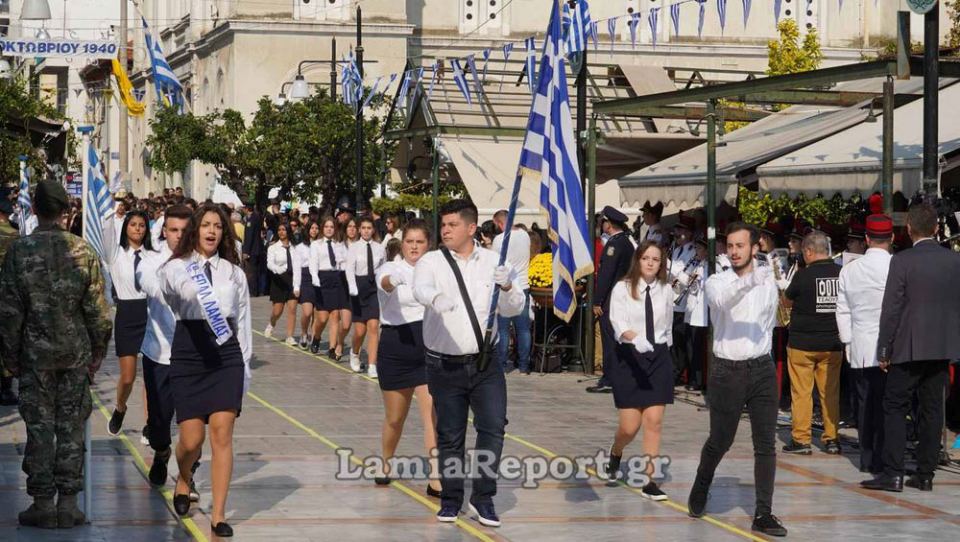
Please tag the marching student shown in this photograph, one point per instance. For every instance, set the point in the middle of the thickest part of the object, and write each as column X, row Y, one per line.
column 283, row 261
column 697, row 316
column 349, row 234
column 743, row 306
column 456, row 285
column 364, row 257
column 327, row 257
column 402, row 367
column 308, row 294
column 130, row 322
column 641, row 313
column 210, row 355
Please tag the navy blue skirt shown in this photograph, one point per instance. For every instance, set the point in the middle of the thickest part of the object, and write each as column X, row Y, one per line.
column 400, row 359
column 333, row 293
column 129, row 326
column 205, row 377
column 307, row 291
column 365, row 305
column 641, row 380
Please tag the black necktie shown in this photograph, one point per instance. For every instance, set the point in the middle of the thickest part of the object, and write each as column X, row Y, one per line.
column 208, row 272
column 369, row 260
column 136, row 264
column 333, row 261
column 648, row 313
column 289, row 260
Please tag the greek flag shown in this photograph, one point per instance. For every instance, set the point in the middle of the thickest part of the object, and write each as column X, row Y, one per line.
column 776, row 10
column 722, row 12
column 486, row 61
column 437, row 72
column 169, row 89
column 703, row 8
column 373, row 91
column 746, row 11
column 675, row 17
column 96, row 202
column 507, row 49
column 26, row 206
column 549, row 154
column 577, row 26
column 632, row 24
column 653, row 21
column 612, row 30
column 460, row 80
column 404, row 88
column 477, row 84
column 531, row 63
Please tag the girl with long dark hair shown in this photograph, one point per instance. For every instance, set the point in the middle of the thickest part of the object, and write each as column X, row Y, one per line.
column 308, row 294
column 283, row 262
column 364, row 258
column 327, row 259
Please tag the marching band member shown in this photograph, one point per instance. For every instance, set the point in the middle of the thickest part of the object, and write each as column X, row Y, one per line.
column 210, row 355
column 283, row 262
column 742, row 373
column 364, row 257
column 327, row 257
column 651, row 229
column 681, row 261
column 402, row 365
column 130, row 322
column 641, row 314
column 697, row 315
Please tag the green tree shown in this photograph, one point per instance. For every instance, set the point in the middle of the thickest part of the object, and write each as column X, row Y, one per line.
column 305, row 149
column 953, row 36
column 789, row 54
column 19, row 106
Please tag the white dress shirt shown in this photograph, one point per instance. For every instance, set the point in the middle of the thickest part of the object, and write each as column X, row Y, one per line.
column 161, row 323
column 398, row 307
column 518, row 254
column 303, row 255
column 320, row 258
column 697, row 312
column 629, row 314
column 230, row 287
column 743, row 315
column 121, row 272
column 679, row 258
column 859, row 300
column 277, row 262
column 388, row 236
column 653, row 233
column 357, row 265
column 156, row 230
column 117, row 222
column 450, row 333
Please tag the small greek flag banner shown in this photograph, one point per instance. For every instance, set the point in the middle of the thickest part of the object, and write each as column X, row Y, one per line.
column 460, row 80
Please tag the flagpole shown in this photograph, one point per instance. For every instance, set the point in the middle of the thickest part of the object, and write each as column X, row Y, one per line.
column 22, row 223
column 85, row 132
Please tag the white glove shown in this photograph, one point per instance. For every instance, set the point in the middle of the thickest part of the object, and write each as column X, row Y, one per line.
column 783, row 284
column 442, row 304
column 501, row 276
column 760, row 275
column 353, row 290
column 396, row 279
column 642, row 344
column 296, row 293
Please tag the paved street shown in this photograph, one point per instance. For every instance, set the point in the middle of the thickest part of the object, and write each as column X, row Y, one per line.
column 302, row 407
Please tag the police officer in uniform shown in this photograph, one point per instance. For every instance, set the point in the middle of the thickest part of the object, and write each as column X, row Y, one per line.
column 614, row 264
column 8, row 234
column 54, row 331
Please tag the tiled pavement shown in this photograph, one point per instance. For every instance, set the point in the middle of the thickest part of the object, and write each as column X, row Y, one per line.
column 301, row 407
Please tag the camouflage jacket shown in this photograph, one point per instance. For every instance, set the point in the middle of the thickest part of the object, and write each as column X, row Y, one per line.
column 53, row 314
column 8, row 234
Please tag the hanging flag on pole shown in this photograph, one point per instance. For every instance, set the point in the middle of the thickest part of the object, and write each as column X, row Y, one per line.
column 577, row 26
column 633, row 23
column 486, row 61
column 531, row 63
column 746, row 11
column 549, row 154
column 96, row 201
column 776, row 10
column 477, row 85
column 404, row 88
column 26, row 220
column 418, row 85
column 612, row 30
column 460, row 80
column 373, row 91
column 722, row 12
column 653, row 21
column 703, row 9
column 169, row 89
column 433, row 78
column 675, row 17
column 595, row 34
column 507, row 49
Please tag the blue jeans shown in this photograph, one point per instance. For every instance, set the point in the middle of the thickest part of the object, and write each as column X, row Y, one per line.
column 458, row 388
column 524, row 338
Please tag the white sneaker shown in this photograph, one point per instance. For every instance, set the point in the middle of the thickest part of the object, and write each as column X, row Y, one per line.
column 355, row 362
column 372, row 371
column 268, row 331
column 291, row 341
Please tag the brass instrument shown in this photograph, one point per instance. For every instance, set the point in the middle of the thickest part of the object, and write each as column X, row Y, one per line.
column 693, row 285
column 783, row 312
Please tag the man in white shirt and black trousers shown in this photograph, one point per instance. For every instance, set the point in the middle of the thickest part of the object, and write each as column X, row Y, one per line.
column 456, row 286
column 743, row 306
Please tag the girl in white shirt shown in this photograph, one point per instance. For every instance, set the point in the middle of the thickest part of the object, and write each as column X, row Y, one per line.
column 327, row 259
column 308, row 295
column 283, row 262
column 402, row 364
column 130, row 323
column 364, row 258
column 641, row 314
column 210, row 355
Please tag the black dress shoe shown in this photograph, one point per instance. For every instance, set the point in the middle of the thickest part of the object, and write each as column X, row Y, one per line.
column 181, row 504
column 223, row 530
column 158, row 470
column 382, row 480
column 916, row 482
column 315, row 347
column 600, row 388
column 769, row 525
column 433, row 492
column 697, row 503
column 884, row 483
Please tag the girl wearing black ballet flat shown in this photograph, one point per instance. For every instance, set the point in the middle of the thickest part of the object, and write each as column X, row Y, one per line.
column 210, row 355
column 641, row 314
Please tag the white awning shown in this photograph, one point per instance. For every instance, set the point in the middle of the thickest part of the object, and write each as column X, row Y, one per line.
column 852, row 160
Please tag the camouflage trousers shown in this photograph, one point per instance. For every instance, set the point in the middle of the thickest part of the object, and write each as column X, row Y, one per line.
column 54, row 406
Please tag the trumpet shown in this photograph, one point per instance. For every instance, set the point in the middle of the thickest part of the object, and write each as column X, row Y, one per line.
column 692, row 286
column 783, row 313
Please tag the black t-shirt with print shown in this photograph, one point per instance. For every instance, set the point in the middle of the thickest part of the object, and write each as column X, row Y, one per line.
column 813, row 321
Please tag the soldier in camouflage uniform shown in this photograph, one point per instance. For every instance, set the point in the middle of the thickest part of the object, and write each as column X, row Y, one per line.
column 54, row 330
column 8, row 234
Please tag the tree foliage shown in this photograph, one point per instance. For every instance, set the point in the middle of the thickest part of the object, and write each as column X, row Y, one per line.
column 305, row 149
column 953, row 35
column 791, row 55
column 16, row 103
column 757, row 209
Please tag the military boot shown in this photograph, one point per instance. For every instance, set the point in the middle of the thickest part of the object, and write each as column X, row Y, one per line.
column 68, row 514
column 42, row 513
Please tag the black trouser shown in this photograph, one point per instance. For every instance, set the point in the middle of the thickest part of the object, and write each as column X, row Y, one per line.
column 929, row 380
column 732, row 385
column 609, row 343
column 779, row 354
column 156, row 380
column 698, row 342
column 869, row 384
column 849, row 399
column 680, row 351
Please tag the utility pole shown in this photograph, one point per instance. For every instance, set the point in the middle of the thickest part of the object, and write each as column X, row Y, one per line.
column 359, row 112
column 124, row 115
column 931, row 91
column 333, row 69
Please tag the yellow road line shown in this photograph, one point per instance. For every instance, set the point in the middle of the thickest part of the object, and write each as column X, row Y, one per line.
column 395, row 484
column 142, row 467
column 547, row 453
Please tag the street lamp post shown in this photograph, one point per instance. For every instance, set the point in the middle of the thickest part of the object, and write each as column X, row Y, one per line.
column 359, row 112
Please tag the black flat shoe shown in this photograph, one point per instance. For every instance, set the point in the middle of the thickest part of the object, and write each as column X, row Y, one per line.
column 433, row 492
column 181, row 504
column 223, row 529
column 382, row 480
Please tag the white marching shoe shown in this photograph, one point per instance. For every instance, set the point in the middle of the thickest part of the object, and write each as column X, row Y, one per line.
column 268, row 331
column 355, row 362
column 372, row 371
